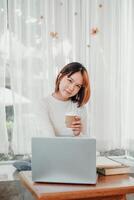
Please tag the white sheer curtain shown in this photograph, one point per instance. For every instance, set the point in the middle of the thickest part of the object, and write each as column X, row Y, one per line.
column 46, row 34
column 127, row 63
column 112, row 105
column 106, row 76
column 3, row 63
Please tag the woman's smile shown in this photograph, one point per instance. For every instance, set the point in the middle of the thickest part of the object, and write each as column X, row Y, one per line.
column 68, row 92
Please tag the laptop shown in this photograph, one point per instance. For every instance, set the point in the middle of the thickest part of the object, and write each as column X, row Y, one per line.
column 64, row 160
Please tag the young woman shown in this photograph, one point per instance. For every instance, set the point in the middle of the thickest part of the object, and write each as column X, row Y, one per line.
column 72, row 92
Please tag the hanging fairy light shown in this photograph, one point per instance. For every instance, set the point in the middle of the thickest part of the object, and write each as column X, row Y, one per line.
column 100, row 5
column 88, row 45
column 40, row 20
column 94, row 31
column 54, row 35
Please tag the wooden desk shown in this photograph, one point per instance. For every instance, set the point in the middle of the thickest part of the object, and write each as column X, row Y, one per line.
column 107, row 188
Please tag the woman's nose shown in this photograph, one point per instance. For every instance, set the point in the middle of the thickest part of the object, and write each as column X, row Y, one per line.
column 71, row 87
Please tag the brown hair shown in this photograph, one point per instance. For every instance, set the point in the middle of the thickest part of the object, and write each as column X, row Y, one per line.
column 83, row 95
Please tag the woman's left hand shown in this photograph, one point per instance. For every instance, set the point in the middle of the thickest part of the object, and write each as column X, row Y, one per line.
column 77, row 126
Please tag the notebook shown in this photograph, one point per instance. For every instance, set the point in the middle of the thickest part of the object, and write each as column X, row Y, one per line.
column 64, row 160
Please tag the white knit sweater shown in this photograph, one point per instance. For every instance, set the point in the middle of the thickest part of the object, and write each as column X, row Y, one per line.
column 51, row 117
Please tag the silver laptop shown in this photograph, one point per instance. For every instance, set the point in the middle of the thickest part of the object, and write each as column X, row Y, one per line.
column 64, row 160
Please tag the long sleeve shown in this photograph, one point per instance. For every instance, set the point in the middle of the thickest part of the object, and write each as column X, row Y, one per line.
column 83, row 114
column 51, row 117
column 45, row 128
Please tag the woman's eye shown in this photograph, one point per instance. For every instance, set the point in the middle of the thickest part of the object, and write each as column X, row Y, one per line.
column 69, row 80
column 78, row 86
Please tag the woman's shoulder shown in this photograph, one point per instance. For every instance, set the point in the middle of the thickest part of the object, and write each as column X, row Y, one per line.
column 82, row 110
column 44, row 101
column 47, row 98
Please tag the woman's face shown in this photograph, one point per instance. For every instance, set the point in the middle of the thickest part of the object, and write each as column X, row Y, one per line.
column 70, row 86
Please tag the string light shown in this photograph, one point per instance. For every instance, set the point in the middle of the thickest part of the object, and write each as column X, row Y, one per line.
column 100, row 5
column 94, row 31
column 54, row 35
column 88, row 45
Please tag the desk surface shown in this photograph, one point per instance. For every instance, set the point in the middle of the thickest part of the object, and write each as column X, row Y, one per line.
column 107, row 187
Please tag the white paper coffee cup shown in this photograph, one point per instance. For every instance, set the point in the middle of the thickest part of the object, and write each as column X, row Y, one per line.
column 69, row 119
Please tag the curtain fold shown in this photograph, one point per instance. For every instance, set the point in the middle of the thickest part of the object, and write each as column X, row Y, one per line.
column 44, row 35
column 3, row 67
column 127, row 93
column 105, row 115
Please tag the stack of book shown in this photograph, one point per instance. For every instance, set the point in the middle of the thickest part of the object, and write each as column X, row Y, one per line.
column 108, row 166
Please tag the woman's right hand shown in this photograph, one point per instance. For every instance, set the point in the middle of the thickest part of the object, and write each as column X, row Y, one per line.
column 77, row 126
